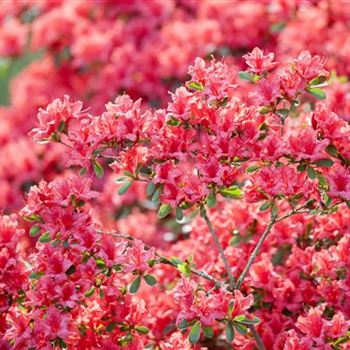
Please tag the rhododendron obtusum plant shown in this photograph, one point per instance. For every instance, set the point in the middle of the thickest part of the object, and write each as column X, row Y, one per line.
column 259, row 148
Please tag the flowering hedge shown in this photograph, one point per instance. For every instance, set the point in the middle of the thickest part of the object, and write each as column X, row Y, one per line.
column 216, row 218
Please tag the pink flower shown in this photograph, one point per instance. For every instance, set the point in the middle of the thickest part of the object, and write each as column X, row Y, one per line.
column 177, row 341
column 112, row 252
column 293, row 342
column 308, row 66
column 306, row 146
column 241, row 303
column 285, row 180
column 312, row 324
column 291, row 83
column 56, row 113
column 266, row 92
column 138, row 257
column 338, row 326
column 182, row 102
column 55, row 324
column 258, row 62
column 339, row 182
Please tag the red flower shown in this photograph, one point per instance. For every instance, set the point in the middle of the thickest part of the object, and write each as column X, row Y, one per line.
column 258, row 62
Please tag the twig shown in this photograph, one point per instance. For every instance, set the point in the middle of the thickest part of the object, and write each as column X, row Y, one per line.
column 274, row 220
column 258, row 340
column 255, row 333
column 255, row 253
column 167, row 261
column 219, row 247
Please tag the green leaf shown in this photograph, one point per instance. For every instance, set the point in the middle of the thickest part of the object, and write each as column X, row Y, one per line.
column 90, row 292
column 211, row 200
column 135, row 285
column 277, row 27
column 62, row 344
column 265, row 206
column 281, row 255
column 245, row 75
column 208, row 332
column 9, row 68
column 317, row 93
column 179, row 214
column 301, row 167
column 45, row 238
column 195, row 333
column 311, row 173
column 32, row 218
column 150, row 280
column 71, row 270
column 150, row 189
column 318, row 80
column 175, row 260
column 342, row 340
column 184, row 268
column 34, row 231
column 83, row 171
column 195, row 86
column 164, row 210
column 230, row 333
column 230, row 308
column 232, row 192
column 173, row 121
column 61, row 126
column 332, row 150
column 111, row 327
column 252, row 168
column 274, row 209
column 283, row 111
column 36, row 275
column 125, row 187
column 100, row 263
column 265, row 110
column 142, row 329
column 241, row 328
column 129, row 174
column 98, row 169
column 183, row 325
column 156, row 195
column 243, row 319
column 326, row 163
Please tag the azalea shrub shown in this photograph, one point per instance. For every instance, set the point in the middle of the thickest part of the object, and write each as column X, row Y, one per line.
column 215, row 216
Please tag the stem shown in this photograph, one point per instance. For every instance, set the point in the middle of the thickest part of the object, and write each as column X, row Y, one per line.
column 219, row 247
column 258, row 340
column 167, row 261
column 255, row 253
column 274, row 220
column 195, row 271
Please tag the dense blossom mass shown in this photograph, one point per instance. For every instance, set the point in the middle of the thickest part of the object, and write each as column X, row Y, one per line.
column 175, row 175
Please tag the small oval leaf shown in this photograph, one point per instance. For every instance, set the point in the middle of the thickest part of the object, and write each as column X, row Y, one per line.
column 317, row 93
column 230, row 333
column 135, row 285
column 164, row 210
column 150, row 280
column 34, row 231
column 195, row 333
column 125, row 187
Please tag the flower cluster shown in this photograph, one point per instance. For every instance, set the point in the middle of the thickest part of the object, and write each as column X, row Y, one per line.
column 256, row 142
column 73, row 270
